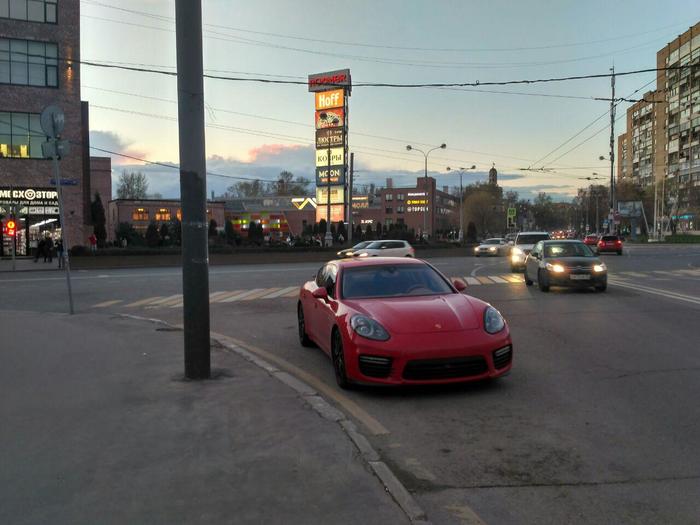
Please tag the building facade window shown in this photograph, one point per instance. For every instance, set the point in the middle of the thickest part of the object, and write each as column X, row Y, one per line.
column 44, row 11
column 139, row 214
column 21, row 135
column 163, row 214
column 388, row 197
column 400, row 209
column 389, row 210
column 400, row 197
column 28, row 63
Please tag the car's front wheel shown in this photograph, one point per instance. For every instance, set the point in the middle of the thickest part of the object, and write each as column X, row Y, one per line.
column 301, row 324
column 338, row 357
column 542, row 281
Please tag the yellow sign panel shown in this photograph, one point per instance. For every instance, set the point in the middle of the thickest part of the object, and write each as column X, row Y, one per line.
column 337, row 212
column 330, row 99
column 337, row 157
column 337, row 195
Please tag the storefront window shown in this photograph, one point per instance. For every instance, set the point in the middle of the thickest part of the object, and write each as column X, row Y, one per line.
column 163, row 214
column 140, row 214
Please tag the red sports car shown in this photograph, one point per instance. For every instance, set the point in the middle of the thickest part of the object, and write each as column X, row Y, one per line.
column 399, row 321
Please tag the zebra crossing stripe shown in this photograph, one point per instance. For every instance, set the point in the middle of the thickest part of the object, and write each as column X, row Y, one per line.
column 241, row 295
column 484, row 280
column 175, row 301
column 107, row 303
column 293, row 293
column 225, row 295
column 472, row 281
column 215, row 295
column 162, row 301
column 280, row 293
column 634, row 274
column 259, row 294
column 497, row 279
column 143, row 302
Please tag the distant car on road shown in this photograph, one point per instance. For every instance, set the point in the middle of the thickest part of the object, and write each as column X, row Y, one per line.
column 400, row 321
column 348, row 252
column 591, row 239
column 610, row 244
column 523, row 244
column 387, row 248
column 492, row 247
column 565, row 263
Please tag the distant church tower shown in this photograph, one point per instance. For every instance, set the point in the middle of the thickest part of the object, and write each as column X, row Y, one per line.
column 493, row 176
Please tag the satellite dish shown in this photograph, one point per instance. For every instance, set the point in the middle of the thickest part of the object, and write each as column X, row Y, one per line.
column 52, row 121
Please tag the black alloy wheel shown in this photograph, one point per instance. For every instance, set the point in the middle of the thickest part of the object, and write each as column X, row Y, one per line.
column 543, row 281
column 338, row 357
column 303, row 338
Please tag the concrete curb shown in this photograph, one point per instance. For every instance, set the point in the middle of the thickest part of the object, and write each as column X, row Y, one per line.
column 323, row 408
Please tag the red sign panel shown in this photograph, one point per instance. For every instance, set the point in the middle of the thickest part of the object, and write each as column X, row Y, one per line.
column 330, row 80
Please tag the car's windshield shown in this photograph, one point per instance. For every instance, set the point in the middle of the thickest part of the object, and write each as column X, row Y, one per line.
column 567, row 249
column 492, row 241
column 610, row 238
column 373, row 245
column 361, row 245
column 531, row 238
column 392, row 281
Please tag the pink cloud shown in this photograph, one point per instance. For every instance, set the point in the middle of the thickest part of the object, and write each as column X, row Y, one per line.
column 268, row 151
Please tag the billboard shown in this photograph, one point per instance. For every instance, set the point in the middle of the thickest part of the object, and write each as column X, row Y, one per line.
column 337, row 194
column 337, row 212
column 330, row 118
column 330, row 99
column 330, row 137
column 339, row 78
column 337, row 157
column 629, row 208
column 337, row 176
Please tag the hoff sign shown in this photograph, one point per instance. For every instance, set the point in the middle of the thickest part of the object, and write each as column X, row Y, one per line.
column 330, row 80
column 330, row 99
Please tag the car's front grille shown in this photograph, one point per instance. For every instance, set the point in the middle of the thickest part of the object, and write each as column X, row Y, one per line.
column 375, row 366
column 580, row 269
column 451, row 368
column 502, row 357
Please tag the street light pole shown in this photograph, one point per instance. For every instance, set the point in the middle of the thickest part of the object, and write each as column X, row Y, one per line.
column 425, row 174
column 461, row 197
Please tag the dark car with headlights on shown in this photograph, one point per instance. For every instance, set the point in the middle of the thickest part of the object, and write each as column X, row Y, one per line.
column 565, row 263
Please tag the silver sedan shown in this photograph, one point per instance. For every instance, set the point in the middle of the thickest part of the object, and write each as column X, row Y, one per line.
column 494, row 247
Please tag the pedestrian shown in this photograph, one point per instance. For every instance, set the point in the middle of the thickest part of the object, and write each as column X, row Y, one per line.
column 48, row 249
column 59, row 253
column 124, row 243
column 39, row 249
column 93, row 243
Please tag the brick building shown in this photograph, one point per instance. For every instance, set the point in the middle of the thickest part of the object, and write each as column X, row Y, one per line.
column 39, row 54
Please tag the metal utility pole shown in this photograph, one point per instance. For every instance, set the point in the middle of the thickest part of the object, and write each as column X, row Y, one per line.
column 193, row 188
column 350, row 177
column 328, row 240
column 425, row 183
column 612, row 153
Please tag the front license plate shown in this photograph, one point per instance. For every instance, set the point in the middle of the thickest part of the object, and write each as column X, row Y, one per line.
column 575, row 277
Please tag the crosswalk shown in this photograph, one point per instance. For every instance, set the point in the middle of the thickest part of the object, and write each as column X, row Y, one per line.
column 262, row 294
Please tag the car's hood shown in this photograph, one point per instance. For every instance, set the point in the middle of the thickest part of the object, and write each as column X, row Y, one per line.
column 574, row 261
column 421, row 314
column 486, row 246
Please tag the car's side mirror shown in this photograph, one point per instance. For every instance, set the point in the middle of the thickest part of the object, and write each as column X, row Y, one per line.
column 459, row 285
column 320, row 293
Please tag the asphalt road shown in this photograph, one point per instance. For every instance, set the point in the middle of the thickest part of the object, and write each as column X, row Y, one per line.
column 597, row 423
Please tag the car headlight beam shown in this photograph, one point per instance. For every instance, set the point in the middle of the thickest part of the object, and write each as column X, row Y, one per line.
column 599, row 268
column 556, row 268
column 493, row 320
column 368, row 328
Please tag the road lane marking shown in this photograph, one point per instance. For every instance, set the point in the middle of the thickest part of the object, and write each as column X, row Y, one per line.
column 633, row 274
column 241, row 295
column 260, row 294
column 215, row 295
column 280, row 293
column 144, row 301
column 372, row 425
column 513, row 278
column 162, row 300
column 656, row 291
column 293, row 293
column 472, row 281
column 107, row 303
column 172, row 302
column 497, row 279
column 484, row 280
column 225, row 295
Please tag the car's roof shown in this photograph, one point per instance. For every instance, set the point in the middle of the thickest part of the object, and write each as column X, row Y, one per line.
column 375, row 261
column 562, row 241
column 533, row 233
column 388, row 240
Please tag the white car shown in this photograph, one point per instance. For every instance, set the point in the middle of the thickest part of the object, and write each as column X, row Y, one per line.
column 524, row 243
column 386, row 249
column 492, row 247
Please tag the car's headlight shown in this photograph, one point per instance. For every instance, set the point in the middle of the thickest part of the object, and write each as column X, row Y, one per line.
column 556, row 268
column 598, row 268
column 516, row 251
column 363, row 254
column 493, row 320
column 492, row 249
column 368, row 328
column 476, row 249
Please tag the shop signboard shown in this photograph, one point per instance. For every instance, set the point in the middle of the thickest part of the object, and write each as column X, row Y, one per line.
column 330, row 118
column 330, row 99
column 330, row 137
column 337, row 194
column 28, row 198
column 337, row 176
column 337, row 157
column 337, row 212
column 330, row 80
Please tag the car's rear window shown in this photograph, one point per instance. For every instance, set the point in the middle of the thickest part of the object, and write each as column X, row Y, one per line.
column 610, row 237
column 388, row 280
column 567, row 249
column 531, row 239
column 492, row 241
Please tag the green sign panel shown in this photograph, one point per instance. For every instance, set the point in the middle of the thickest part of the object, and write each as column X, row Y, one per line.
column 511, row 212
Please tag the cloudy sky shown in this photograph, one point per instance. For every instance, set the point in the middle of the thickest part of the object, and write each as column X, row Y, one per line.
column 256, row 130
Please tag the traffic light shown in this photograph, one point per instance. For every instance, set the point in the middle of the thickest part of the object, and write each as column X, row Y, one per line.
column 10, row 227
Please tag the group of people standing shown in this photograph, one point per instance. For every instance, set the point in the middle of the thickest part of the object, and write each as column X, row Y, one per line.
column 46, row 247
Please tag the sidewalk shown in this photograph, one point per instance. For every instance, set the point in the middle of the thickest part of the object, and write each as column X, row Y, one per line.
column 98, row 426
column 27, row 264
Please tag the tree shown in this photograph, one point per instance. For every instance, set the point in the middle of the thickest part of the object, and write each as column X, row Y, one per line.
column 176, row 231
column 358, row 233
column 152, row 236
column 164, row 234
column 212, row 228
column 322, row 227
column 230, row 232
column 99, row 220
column 379, row 230
column 480, row 208
column 126, row 231
column 342, row 231
column 132, row 185
column 369, row 234
column 471, row 232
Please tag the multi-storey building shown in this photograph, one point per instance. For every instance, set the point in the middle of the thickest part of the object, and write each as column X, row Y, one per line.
column 40, row 66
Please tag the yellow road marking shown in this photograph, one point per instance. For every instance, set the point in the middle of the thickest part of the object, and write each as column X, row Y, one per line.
column 497, row 279
column 259, row 294
column 241, row 295
column 107, row 303
column 144, row 301
column 472, row 281
column 225, row 295
column 511, row 278
column 484, row 280
column 280, row 293
column 293, row 293
column 172, row 301
column 163, row 300
column 215, row 295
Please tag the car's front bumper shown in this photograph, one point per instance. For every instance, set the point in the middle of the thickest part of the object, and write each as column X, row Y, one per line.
column 564, row 279
column 437, row 358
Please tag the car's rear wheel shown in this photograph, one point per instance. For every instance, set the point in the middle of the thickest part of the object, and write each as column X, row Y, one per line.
column 301, row 323
column 542, row 281
column 338, row 357
column 528, row 281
